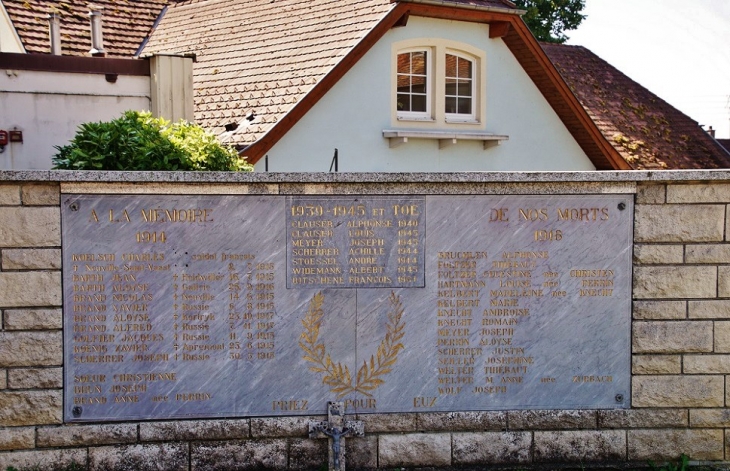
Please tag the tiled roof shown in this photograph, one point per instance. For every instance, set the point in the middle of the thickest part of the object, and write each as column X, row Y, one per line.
column 647, row 132
column 725, row 143
column 125, row 24
column 259, row 58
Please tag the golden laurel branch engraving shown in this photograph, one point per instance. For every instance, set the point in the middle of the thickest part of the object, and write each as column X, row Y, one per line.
column 338, row 377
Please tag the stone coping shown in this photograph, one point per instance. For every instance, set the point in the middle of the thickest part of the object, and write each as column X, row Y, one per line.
column 357, row 177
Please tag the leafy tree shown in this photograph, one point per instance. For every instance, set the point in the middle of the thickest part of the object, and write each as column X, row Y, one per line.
column 548, row 19
column 138, row 141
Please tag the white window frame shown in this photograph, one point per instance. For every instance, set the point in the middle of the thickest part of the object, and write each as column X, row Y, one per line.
column 463, row 117
column 418, row 115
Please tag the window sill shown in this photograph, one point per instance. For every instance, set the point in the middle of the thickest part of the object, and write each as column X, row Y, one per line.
column 445, row 138
column 461, row 121
column 416, row 119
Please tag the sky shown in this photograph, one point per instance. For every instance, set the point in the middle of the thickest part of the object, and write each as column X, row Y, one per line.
column 678, row 49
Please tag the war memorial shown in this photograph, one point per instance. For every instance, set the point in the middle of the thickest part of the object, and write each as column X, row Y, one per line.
column 218, row 321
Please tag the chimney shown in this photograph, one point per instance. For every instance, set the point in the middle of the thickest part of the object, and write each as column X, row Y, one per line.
column 97, row 43
column 711, row 132
column 54, row 26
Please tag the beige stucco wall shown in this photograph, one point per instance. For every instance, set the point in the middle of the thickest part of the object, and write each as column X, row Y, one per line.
column 680, row 337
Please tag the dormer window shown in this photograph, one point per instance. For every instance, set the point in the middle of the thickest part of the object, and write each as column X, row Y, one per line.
column 414, row 85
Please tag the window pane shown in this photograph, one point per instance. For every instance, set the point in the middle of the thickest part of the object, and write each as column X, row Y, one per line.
column 464, row 88
column 418, row 103
column 450, row 89
column 404, row 63
column 465, row 68
column 464, row 106
column 419, row 89
column 418, row 63
column 451, row 65
column 404, row 102
column 404, row 83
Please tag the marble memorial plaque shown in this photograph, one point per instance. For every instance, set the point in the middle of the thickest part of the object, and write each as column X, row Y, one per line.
column 224, row 306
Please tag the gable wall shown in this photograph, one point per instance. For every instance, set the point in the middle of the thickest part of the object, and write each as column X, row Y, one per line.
column 353, row 114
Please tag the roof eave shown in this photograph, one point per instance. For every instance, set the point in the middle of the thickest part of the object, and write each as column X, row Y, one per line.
column 450, row 4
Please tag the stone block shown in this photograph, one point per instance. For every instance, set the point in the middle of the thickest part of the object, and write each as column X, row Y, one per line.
column 389, row 423
column 698, row 444
column 282, row 426
column 723, row 281
column 9, row 195
column 707, row 253
column 86, row 435
column 31, row 259
column 33, row 319
column 642, row 418
column 679, row 223
column 148, row 457
column 362, row 452
column 706, row 364
column 692, row 193
column 194, row 430
column 675, row 282
column 580, row 446
column 3, row 379
column 722, row 337
column 660, row 310
column 35, row 378
column 551, row 419
column 43, row 459
column 30, row 227
column 488, row 448
column 17, row 438
column 238, row 455
column 305, row 453
column 709, row 418
column 656, row 364
column 647, row 193
column 41, row 194
column 414, row 449
column 31, row 408
column 672, row 337
column 658, row 254
column 30, row 288
column 462, row 421
column 31, row 349
column 678, row 391
column 709, row 309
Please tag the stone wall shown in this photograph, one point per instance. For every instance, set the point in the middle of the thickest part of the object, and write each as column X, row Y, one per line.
column 680, row 341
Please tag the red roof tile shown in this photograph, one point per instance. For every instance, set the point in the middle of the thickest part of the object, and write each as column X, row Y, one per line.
column 125, row 24
column 647, row 131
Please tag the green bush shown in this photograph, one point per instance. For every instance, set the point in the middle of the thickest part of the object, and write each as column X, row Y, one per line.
column 137, row 141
